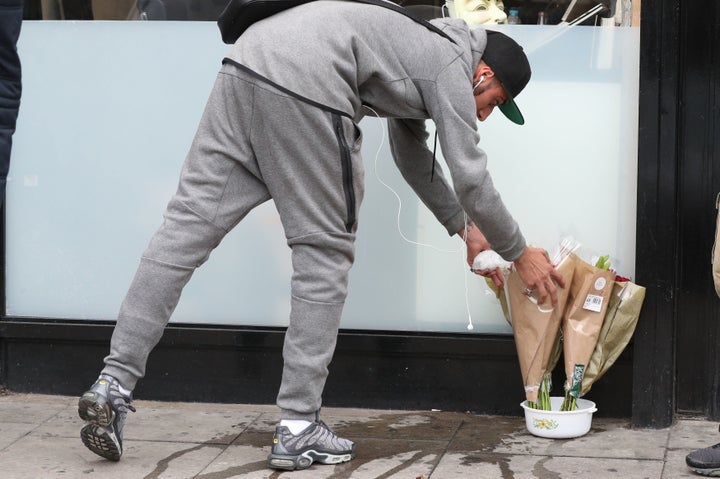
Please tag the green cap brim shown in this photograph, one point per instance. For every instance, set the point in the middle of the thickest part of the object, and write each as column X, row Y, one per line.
column 512, row 112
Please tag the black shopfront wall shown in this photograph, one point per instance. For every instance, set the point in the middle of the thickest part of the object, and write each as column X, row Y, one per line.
column 698, row 144
column 675, row 346
column 671, row 364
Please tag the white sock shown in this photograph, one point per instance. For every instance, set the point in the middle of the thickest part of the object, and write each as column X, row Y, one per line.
column 296, row 426
column 125, row 392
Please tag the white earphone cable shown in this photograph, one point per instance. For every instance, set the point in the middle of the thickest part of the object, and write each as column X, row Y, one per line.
column 470, row 326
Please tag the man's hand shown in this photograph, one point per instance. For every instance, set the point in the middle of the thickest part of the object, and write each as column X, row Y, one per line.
column 538, row 274
column 477, row 243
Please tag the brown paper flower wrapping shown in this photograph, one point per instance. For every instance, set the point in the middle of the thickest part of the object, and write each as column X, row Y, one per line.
column 535, row 326
column 590, row 293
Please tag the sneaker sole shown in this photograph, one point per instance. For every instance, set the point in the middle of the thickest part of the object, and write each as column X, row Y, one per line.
column 95, row 409
column 305, row 460
column 706, row 472
column 98, row 435
column 101, row 441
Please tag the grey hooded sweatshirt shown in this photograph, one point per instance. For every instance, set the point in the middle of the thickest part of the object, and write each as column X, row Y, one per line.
column 345, row 55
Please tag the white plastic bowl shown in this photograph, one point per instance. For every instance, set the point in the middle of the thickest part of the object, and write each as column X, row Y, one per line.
column 558, row 424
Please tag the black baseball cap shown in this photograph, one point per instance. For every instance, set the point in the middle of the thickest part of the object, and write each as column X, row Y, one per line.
column 511, row 66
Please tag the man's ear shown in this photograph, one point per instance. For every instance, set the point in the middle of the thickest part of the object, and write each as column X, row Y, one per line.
column 483, row 69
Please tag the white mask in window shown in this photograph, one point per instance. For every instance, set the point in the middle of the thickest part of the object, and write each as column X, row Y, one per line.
column 478, row 12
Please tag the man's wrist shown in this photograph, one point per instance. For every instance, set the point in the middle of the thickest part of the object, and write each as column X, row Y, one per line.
column 466, row 230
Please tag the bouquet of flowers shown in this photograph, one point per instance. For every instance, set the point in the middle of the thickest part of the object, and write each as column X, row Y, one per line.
column 583, row 319
column 592, row 324
column 535, row 327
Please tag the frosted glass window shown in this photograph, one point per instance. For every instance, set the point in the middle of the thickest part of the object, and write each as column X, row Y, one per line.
column 109, row 110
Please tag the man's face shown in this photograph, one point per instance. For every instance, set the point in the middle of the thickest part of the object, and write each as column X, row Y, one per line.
column 488, row 94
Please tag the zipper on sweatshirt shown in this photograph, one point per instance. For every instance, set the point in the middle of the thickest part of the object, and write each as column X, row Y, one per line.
column 346, row 162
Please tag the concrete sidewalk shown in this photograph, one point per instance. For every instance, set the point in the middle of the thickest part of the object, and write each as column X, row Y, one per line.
column 39, row 438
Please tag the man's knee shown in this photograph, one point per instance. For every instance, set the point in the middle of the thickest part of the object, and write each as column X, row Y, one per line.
column 321, row 263
column 185, row 238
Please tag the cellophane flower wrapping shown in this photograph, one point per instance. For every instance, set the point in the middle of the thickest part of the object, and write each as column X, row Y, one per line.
column 618, row 327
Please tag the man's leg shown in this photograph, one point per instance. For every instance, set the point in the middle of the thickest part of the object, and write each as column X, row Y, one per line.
column 311, row 164
column 321, row 262
column 11, row 13
column 218, row 186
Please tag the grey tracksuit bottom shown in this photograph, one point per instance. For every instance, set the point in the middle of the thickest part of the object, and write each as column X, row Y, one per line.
column 256, row 143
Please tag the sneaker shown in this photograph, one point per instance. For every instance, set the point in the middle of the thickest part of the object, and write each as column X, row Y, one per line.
column 316, row 443
column 705, row 461
column 104, row 408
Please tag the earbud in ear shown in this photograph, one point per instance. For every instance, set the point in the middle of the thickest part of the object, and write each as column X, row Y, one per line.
column 482, row 79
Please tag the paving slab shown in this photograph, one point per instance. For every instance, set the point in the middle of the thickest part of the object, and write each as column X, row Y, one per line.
column 606, row 438
column 213, row 423
column 11, row 432
column 39, row 438
column 37, row 456
column 31, row 409
column 501, row 466
column 376, row 458
column 675, row 467
column 419, row 425
column 694, row 434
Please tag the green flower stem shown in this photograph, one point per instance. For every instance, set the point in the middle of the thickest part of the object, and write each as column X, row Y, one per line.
column 544, row 392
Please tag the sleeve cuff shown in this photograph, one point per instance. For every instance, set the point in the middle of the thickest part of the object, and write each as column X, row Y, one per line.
column 455, row 223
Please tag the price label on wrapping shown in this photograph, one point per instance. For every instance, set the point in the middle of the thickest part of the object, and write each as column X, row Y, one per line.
column 593, row 302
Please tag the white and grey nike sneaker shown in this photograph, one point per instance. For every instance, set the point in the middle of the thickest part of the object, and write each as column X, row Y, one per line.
column 316, row 443
column 104, row 408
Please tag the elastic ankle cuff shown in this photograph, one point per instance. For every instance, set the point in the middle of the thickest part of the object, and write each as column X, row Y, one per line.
column 287, row 414
column 126, row 381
